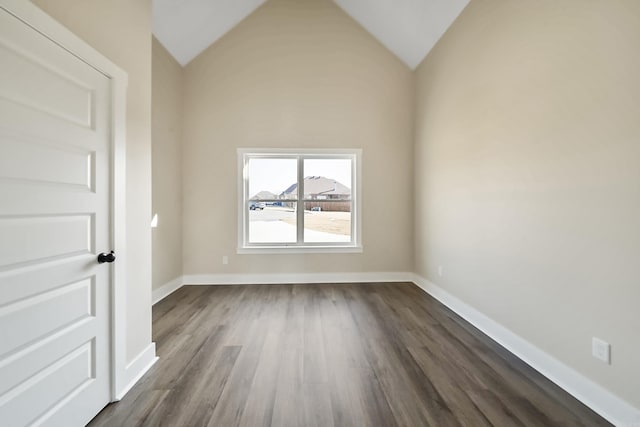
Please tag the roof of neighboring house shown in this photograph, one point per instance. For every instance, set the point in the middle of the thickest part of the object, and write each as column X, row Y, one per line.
column 319, row 185
column 264, row 195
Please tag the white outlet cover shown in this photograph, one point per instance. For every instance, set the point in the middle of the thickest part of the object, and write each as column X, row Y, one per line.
column 601, row 350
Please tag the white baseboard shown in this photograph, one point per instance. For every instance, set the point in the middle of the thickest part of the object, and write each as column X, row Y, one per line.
column 291, row 278
column 600, row 400
column 270, row 278
column 165, row 290
column 137, row 368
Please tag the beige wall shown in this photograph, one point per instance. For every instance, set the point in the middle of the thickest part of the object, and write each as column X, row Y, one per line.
column 166, row 133
column 527, row 164
column 297, row 74
column 526, row 156
column 121, row 31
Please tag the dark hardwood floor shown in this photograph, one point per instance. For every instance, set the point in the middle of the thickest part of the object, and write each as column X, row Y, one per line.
column 332, row 355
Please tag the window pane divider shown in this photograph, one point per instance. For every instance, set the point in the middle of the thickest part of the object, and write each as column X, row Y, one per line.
column 300, row 203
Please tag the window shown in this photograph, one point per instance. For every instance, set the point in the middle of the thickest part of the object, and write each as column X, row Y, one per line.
column 299, row 201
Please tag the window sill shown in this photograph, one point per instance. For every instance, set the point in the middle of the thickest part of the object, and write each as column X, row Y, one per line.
column 279, row 250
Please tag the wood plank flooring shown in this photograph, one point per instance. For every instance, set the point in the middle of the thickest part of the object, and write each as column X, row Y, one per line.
column 332, row 355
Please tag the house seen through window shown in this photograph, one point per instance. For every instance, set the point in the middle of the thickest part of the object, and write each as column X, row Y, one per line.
column 299, row 200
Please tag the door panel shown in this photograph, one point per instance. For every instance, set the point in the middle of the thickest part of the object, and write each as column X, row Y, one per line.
column 47, row 90
column 35, row 160
column 30, row 239
column 55, row 384
column 55, row 148
column 78, row 298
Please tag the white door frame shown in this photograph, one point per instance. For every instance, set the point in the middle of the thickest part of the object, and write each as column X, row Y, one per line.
column 44, row 24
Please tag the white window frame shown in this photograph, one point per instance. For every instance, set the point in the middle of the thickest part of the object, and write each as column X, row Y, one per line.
column 244, row 246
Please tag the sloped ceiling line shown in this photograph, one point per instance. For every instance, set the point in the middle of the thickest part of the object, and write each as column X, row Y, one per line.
column 408, row 28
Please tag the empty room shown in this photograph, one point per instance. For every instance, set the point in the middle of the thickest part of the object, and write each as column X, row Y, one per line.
column 319, row 213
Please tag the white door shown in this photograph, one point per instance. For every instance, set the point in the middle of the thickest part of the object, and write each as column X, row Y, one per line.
column 55, row 149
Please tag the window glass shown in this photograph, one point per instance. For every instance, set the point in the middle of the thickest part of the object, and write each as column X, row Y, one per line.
column 298, row 200
column 327, row 221
column 271, row 178
column 327, row 179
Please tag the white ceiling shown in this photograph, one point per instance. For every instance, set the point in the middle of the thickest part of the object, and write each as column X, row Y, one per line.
column 408, row 28
column 187, row 27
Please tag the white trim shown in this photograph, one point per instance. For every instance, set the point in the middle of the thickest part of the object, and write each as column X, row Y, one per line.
column 596, row 397
column 269, row 279
column 33, row 16
column 165, row 290
column 295, row 278
column 338, row 152
column 276, row 278
column 119, row 214
column 137, row 368
column 600, row 400
column 43, row 23
column 300, row 247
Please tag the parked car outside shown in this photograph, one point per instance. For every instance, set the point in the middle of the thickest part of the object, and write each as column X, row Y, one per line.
column 256, row 206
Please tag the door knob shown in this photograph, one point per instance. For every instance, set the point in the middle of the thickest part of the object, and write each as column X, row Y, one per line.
column 110, row 257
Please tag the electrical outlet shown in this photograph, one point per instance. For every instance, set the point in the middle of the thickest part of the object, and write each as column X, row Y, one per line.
column 601, row 350
column 225, row 260
column 440, row 270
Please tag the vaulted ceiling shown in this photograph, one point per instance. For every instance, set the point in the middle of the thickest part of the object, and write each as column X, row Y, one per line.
column 408, row 28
